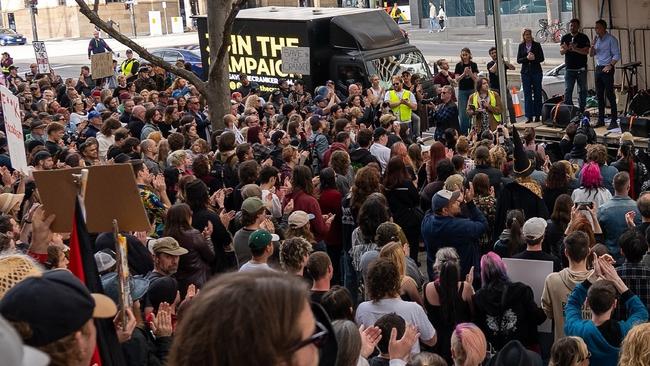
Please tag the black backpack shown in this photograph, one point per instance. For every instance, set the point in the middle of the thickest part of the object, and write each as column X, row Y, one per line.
column 224, row 174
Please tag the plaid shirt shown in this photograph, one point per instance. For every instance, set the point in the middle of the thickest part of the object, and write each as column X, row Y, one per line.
column 637, row 278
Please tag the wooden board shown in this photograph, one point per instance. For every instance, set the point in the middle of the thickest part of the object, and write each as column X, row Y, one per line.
column 101, row 65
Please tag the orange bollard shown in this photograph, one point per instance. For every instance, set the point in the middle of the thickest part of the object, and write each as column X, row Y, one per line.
column 515, row 102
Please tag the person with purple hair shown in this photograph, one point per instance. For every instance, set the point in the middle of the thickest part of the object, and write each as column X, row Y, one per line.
column 591, row 188
column 505, row 310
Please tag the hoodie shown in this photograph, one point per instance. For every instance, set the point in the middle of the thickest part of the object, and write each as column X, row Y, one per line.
column 362, row 157
column 328, row 154
column 557, row 288
column 602, row 353
column 505, row 318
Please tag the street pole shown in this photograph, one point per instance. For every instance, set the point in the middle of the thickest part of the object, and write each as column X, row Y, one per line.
column 503, row 88
column 32, row 9
column 164, row 6
column 135, row 32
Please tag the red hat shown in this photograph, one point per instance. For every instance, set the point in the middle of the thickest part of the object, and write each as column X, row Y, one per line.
column 96, row 93
column 124, row 96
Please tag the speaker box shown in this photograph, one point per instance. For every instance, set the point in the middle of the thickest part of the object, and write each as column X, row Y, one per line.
column 637, row 126
column 558, row 115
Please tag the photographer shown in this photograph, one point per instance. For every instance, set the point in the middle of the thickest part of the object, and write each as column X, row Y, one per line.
column 445, row 114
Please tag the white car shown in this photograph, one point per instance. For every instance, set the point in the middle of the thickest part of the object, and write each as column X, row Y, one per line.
column 553, row 83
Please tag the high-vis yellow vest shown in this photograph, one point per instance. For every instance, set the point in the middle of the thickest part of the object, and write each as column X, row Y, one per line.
column 402, row 112
column 127, row 65
column 493, row 103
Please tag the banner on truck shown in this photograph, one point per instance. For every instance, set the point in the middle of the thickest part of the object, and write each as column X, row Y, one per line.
column 14, row 128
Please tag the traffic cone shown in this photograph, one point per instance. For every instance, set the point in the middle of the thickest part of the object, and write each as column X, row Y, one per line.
column 515, row 102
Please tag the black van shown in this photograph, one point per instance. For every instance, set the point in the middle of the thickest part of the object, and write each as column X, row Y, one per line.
column 345, row 45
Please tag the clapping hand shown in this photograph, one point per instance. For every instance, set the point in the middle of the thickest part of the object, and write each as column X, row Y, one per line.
column 161, row 325
column 369, row 338
column 124, row 332
column 629, row 219
column 401, row 349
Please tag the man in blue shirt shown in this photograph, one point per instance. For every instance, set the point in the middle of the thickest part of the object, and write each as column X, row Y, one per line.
column 97, row 45
column 607, row 53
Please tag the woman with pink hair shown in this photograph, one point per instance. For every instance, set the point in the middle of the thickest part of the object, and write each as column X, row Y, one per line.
column 505, row 310
column 591, row 188
column 468, row 345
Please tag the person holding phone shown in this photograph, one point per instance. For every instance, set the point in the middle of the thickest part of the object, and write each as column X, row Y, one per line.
column 466, row 75
column 530, row 55
column 606, row 53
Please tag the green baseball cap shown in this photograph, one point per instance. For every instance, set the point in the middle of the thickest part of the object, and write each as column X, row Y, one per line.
column 261, row 238
column 167, row 245
column 252, row 205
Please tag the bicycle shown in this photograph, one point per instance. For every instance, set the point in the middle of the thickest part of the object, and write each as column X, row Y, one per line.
column 556, row 30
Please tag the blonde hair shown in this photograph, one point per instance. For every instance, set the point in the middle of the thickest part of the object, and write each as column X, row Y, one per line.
column 394, row 252
column 634, row 349
column 498, row 156
column 568, row 351
column 523, row 31
column 468, row 345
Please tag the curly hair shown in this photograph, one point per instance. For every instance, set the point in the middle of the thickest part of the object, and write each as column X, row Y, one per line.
column 293, row 253
column 634, row 350
column 557, row 176
column 340, row 162
column 597, row 153
column 498, row 157
column 63, row 351
column 373, row 212
column 366, row 182
column 383, row 280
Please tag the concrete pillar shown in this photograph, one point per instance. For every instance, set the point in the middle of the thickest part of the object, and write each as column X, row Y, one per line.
column 480, row 9
column 416, row 12
column 553, row 8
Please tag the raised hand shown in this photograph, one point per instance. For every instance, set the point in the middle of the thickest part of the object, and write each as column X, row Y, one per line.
column 369, row 338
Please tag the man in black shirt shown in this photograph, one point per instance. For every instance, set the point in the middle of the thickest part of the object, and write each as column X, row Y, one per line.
column 493, row 71
column 533, row 231
column 575, row 48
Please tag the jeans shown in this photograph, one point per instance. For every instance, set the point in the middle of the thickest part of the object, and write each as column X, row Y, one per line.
column 350, row 278
column 570, row 78
column 465, row 122
column 605, row 88
column 532, row 84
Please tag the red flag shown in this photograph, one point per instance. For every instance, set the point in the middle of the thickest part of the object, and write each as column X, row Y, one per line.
column 82, row 264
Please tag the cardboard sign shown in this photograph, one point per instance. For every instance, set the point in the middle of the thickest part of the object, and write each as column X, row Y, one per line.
column 532, row 273
column 111, row 194
column 295, row 60
column 42, row 60
column 101, row 65
column 14, row 128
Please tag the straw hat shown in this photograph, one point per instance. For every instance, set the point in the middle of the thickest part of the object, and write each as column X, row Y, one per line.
column 15, row 268
column 9, row 201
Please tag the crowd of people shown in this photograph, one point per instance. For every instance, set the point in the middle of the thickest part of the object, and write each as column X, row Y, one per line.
column 318, row 227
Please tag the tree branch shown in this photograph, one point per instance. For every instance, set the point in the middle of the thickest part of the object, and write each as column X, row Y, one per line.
column 188, row 75
column 227, row 31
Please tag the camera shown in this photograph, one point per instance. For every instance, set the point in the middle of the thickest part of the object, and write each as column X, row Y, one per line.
column 435, row 100
column 584, row 205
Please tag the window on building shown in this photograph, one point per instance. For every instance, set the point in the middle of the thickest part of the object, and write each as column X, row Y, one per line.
column 567, row 5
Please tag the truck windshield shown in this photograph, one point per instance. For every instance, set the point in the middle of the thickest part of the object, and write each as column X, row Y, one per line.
column 388, row 66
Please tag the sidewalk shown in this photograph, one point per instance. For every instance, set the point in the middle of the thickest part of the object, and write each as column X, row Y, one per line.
column 73, row 47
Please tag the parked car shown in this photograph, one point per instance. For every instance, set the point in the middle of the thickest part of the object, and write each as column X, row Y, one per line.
column 537, row 6
column 172, row 55
column 553, row 83
column 9, row 36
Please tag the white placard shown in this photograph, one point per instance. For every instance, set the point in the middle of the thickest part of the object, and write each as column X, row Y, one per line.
column 42, row 60
column 155, row 23
column 295, row 60
column 164, row 5
column 177, row 25
column 14, row 128
column 532, row 273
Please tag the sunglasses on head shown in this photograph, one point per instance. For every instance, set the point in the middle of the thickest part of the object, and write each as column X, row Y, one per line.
column 318, row 338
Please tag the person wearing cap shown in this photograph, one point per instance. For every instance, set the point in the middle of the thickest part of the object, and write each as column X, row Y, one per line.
column 94, row 124
column 378, row 149
column 523, row 193
column 260, row 243
column 514, row 353
column 37, row 131
column 14, row 352
column 533, row 232
column 43, row 161
column 392, row 126
column 246, row 88
column 253, row 217
column 143, row 80
column 129, row 67
column 166, row 253
column 105, row 261
column 441, row 227
column 13, row 80
column 64, row 322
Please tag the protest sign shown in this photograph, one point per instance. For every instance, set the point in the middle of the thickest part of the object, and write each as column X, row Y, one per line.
column 532, row 273
column 14, row 128
column 101, row 65
column 295, row 60
column 42, row 60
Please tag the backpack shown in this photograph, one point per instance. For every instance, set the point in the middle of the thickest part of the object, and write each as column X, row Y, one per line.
column 313, row 161
column 223, row 172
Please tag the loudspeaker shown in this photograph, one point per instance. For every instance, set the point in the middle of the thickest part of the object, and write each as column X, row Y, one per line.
column 558, row 115
column 638, row 126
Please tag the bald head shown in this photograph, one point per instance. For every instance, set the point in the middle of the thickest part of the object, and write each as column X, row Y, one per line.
column 643, row 203
column 353, row 89
column 139, row 112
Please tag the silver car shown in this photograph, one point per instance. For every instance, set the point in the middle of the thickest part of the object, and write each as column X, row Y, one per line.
column 553, row 83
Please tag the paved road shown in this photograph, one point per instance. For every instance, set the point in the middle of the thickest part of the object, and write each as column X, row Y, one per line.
column 67, row 57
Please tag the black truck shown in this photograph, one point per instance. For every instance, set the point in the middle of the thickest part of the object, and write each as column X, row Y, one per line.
column 346, row 45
